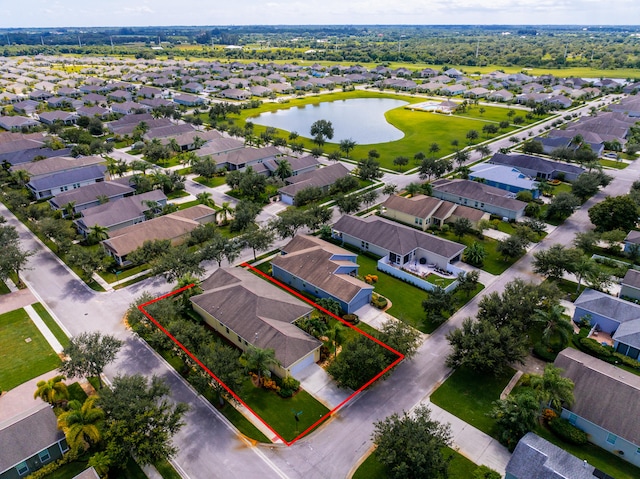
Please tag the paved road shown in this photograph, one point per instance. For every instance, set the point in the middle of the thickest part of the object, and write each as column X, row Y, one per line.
column 209, row 447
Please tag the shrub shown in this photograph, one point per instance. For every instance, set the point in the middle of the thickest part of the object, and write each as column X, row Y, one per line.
column 285, row 393
column 594, row 348
column 568, row 432
column 290, row 383
column 627, row 361
column 549, row 415
column 544, row 352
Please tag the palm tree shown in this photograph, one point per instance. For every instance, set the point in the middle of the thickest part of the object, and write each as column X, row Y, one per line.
column 69, row 209
column 484, row 150
column 225, row 211
column 98, row 233
column 552, row 389
column 555, row 325
column 346, row 146
column 259, row 361
column 336, row 337
column 283, row 170
column 81, row 424
column 52, row 391
column 174, row 146
column 102, row 199
column 206, row 198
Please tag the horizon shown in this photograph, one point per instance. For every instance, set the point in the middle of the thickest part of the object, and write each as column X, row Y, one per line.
column 163, row 13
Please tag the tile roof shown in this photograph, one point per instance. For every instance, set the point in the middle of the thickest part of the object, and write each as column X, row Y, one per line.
column 258, row 311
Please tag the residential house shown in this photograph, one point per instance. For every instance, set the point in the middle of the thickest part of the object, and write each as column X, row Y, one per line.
column 242, row 158
column 606, row 403
column 477, row 195
column 250, row 311
column 537, row 458
column 56, row 183
column 188, row 141
column 424, row 211
column 16, row 123
column 397, row 245
column 30, row 441
column 57, row 164
column 324, row 270
column 235, row 94
column 321, row 178
column 128, row 107
column 630, row 285
column 169, row 130
column 614, row 316
column 27, row 107
column 188, row 100
column 500, row 95
column 632, row 241
column 299, row 165
column 122, row 212
column 504, row 177
column 174, row 227
column 64, row 117
column 90, row 195
column 218, row 146
column 537, row 167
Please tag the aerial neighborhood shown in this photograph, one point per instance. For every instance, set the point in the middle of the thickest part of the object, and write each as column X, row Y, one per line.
column 212, row 265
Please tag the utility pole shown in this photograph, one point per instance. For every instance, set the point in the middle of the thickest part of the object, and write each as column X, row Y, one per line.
column 477, row 48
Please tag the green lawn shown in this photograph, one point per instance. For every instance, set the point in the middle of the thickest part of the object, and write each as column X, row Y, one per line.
column 596, row 456
column 242, row 423
column 459, row 468
column 51, row 324
column 279, row 412
column 469, row 396
column 4, row 289
column 72, row 469
column 618, row 165
column 421, row 129
column 166, row 470
column 27, row 359
column 493, row 263
column 406, row 300
column 177, row 194
column 110, row 277
column 211, row 183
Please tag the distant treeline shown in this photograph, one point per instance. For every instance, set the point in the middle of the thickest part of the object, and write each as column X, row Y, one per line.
column 524, row 46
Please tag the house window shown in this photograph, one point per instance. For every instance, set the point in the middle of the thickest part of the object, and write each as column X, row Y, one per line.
column 611, row 438
column 227, row 330
column 44, row 455
column 573, row 418
column 22, row 468
column 638, row 451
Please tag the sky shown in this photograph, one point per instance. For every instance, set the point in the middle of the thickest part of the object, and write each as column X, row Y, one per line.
column 92, row 13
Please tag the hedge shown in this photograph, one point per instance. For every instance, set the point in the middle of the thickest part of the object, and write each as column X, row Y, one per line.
column 568, row 432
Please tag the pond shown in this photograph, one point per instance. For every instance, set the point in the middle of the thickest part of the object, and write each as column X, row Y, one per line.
column 361, row 119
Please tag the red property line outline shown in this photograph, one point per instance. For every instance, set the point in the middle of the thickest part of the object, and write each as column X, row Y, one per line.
column 234, row 395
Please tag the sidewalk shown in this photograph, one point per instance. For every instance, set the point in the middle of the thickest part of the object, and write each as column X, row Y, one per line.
column 46, row 332
column 472, row 443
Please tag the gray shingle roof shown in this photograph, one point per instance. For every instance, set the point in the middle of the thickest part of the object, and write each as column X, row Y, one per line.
column 311, row 259
column 632, row 278
column 478, row 192
column 247, row 155
column 535, row 163
column 605, row 394
column 258, row 311
column 89, row 193
column 608, row 306
column 321, row 178
column 395, row 237
column 120, row 211
column 56, row 164
column 26, row 435
column 536, row 458
column 68, row 177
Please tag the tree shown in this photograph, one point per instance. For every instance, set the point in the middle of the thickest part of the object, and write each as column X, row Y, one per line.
column 475, row 254
column 87, row 260
column 53, row 390
column 205, row 167
column 259, row 361
column 97, row 233
column 515, row 416
column 484, row 150
column 369, row 169
column 225, row 361
column 347, row 146
column 562, row 205
column 556, row 327
column 344, row 184
column 389, row 189
column 176, row 262
column 225, row 211
column 244, row 216
column 552, row 389
column 461, row 157
column 532, row 147
column 437, row 303
column 472, row 135
column 411, row 446
column 588, row 183
column 289, row 222
column 433, row 167
column 468, row 281
column 317, row 152
column 401, row 162
column 490, row 129
column 401, row 337
column 461, row 226
column 140, row 419
column 283, row 170
column 360, row 360
column 369, row 197
column 88, row 354
column 81, row 424
column 220, row 248
column 554, row 261
column 252, row 185
column 485, row 348
column 348, row 204
column 321, row 130
column 617, row 212
column 307, row 195
column 512, row 247
column 13, row 259
column 258, row 239
column 205, row 198
column 318, row 216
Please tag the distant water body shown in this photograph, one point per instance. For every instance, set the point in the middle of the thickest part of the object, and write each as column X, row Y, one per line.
column 360, row 119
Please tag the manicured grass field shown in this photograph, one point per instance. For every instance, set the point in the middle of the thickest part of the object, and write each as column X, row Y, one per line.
column 421, row 129
column 242, row 423
column 279, row 412
column 27, row 360
column 459, row 468
column 211, row 183
column 469, row 396
column 51, row 324
column 4, row 289
column 618, row 165
column 177, row 194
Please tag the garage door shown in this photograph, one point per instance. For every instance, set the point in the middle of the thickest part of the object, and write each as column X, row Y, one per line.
column 297, row 368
